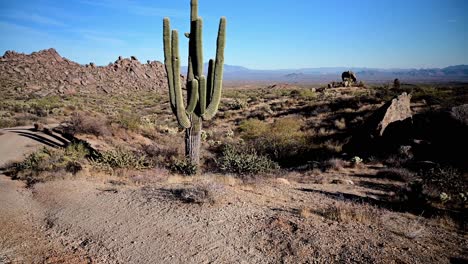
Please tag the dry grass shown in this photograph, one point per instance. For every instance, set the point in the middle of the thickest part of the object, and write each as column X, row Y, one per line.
column 397, row 174
column 335, row 164
column 82, row 123
column 200, row 193
column 340, row 124
column 305, row 212
column 349, row 212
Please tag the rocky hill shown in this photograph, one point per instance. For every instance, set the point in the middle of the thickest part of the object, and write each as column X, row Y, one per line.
column 46, row 72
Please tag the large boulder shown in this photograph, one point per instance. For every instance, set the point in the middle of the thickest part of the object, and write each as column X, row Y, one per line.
column 397, row 110
column 348, row 76
column 374, row 136
column 434, row 136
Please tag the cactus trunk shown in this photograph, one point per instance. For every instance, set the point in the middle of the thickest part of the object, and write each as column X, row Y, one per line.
column 203, row 92
column 193, row 140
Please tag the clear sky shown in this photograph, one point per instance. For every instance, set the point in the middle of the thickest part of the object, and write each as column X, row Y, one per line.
column 261, row 34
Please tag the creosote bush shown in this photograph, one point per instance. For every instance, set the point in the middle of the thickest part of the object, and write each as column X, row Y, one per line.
column 84, row 123
column 242, row 161
column 122, row 158
column 200, row 193
column 349, row 212
column 183, row 166
column 129, row 121
column 283, row 141
column 47, row 164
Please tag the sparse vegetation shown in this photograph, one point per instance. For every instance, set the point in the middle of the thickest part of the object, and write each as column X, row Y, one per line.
column 283, row 140
column 201, row 193
column 87, row 124
column 122, row 158
column 245, row 162
column 49, row 164
column 183, row 166
column 351, row 212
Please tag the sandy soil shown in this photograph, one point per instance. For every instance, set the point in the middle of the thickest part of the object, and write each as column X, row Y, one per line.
column 103, row 220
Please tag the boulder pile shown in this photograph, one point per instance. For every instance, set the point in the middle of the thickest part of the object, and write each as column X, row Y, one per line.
column 46, row 72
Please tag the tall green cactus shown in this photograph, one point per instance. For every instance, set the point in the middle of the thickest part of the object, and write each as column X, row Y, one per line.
column 203, row 92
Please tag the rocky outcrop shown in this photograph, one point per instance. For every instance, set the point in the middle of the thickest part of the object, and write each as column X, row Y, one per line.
column 374, row 135
column 398, row 109
column 46, row 72
column 349, row 79
column 436, row 136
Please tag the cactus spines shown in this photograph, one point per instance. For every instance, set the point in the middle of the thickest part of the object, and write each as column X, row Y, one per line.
column 203, row 92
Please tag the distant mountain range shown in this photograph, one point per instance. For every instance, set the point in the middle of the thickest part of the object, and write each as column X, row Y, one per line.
column 327, row 74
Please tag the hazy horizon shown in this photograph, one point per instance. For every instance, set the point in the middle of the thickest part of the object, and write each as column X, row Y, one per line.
column 265, row 36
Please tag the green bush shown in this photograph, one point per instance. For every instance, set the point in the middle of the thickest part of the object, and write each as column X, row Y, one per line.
column 283, row 141
column 121, row 158
column 237, row 104
column 243, row 162
column 183, row 166
column 35, row 166
column 129, row 121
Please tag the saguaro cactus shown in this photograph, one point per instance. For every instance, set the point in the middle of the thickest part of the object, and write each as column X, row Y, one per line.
column 203, row 92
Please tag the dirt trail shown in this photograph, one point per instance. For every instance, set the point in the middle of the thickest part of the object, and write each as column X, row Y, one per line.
column 96, row 220
column 16, row 142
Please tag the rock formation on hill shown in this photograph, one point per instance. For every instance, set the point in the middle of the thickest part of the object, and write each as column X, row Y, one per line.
column 46, row 72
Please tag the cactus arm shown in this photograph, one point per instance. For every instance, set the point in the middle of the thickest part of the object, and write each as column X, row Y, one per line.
column 198, row 48
column 218, row 76
column 193, row 10
column 168, row 62
column 210, row 81
column 193, row 91
column 203, row 93
column 182, row 117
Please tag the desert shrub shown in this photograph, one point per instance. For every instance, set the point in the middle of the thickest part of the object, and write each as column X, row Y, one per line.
column 262, row 112
column 283, row 141
column 460, row 113
column 237, row 104
column 349, row 212
column 200, row 193
column 445, row 179
column 397, row 174
column 340, row 123
column 82, row 123
column 307, row 94
column 46, row 163
column 121, row 158
column 45, row 106
column 183, row 166
column 160, row 155
column 334, row 164
column 6, row 122
column 356, row 160
column 241, row 161
column 129, row 121
column 445, row 186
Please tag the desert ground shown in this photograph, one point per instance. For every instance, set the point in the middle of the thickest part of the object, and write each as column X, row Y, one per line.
column 101, row 179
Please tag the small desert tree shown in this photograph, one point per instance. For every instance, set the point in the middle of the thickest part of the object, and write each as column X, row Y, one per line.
column 203, row 92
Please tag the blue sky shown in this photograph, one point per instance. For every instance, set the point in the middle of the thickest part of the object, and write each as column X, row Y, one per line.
column 261, row 34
